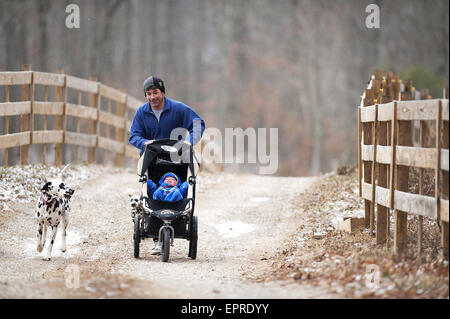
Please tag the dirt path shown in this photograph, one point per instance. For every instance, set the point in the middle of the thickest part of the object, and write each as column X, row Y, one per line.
column 243, row 221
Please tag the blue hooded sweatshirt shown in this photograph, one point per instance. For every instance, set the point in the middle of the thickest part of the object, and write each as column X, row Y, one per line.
column 174, row 115
column 165, row 192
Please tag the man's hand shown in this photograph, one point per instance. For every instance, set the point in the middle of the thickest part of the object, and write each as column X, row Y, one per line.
column 149, row 141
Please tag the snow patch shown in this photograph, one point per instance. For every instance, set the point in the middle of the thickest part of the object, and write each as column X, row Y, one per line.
column 109, row 248
column 233, row 228
column 259, row 199
column 23, row 183
column 73, row 240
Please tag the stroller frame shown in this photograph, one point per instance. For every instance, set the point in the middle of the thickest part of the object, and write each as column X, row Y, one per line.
column 165, row 221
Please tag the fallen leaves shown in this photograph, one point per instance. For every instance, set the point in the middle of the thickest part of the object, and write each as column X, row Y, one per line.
column 352, row 265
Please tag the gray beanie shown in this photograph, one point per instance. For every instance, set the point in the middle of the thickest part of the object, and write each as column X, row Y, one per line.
column 154, row 82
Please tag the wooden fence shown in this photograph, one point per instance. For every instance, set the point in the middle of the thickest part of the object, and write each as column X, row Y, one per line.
column 400, row 131
column 106, row 114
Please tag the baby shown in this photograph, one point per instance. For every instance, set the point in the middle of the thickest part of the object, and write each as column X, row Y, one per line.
column 170, row 189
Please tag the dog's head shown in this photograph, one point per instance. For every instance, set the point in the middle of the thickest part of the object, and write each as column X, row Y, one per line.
column 56, row 188
column 135, row 200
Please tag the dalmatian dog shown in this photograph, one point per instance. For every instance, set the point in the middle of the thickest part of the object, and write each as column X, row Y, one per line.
column 135, row 205
column 52, row 208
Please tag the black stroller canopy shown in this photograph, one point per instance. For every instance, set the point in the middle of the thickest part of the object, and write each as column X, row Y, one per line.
column 169, row 151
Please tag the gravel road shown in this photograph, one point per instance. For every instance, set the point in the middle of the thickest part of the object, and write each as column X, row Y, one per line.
column 243, row 221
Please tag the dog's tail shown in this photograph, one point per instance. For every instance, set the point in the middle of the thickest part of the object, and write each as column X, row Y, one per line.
column 62, row 171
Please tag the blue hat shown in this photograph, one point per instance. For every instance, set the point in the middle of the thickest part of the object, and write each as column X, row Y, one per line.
column 166, row 175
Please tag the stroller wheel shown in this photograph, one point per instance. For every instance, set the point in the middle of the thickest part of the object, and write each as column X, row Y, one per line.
column 137, row 235
column 165, row 249
column 193, row 239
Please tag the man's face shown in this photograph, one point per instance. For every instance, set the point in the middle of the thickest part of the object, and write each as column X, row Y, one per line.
column 170, row 180
column 155, row 97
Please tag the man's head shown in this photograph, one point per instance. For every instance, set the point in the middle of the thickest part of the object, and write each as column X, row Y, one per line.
column 154, row 91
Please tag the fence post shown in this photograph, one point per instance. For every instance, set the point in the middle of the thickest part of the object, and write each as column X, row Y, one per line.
column 78, row 124
column 374, row 164
column 445, row 182
column 6, row 155
column 44, row 146
column 382, row 222
column 59, row 97
column 32, row 108
column 359, row 150
column 393, row 157
column 107, row 127
column 125, row 130
column 64, row 117
column 120, row 132
column 97, row 125
column 441, row 141
column 424, row 131
column 366, row 165
column 92, row 124
column 437, row 190
column 404, row 137
column 25, row 120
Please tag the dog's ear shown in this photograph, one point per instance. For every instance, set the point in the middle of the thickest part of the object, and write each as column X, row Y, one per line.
column 129, row 195
column 45, row 187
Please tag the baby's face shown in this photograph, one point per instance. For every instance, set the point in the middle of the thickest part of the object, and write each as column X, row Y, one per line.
column 170, row 180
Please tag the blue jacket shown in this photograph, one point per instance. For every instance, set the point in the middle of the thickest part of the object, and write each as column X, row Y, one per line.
column 165, row 192
column 175, row 114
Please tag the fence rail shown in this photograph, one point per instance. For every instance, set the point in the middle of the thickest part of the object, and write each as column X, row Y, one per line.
column 105, row 112
column 400, row 130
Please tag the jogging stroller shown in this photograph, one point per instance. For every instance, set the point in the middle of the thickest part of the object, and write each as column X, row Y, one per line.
column 165, row 221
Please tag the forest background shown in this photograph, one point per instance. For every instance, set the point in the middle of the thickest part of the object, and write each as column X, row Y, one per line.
column 296, row 65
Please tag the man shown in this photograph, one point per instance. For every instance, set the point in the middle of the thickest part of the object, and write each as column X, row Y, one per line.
column 160, row 115
column 157, row 118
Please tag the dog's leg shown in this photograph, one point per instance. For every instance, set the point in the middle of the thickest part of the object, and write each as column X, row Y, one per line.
column 44, row 234
column 65, row 222
column 40, row 246
column 52, row 240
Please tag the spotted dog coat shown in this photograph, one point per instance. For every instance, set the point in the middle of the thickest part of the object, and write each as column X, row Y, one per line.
column 135, row 205
column 52, row 207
